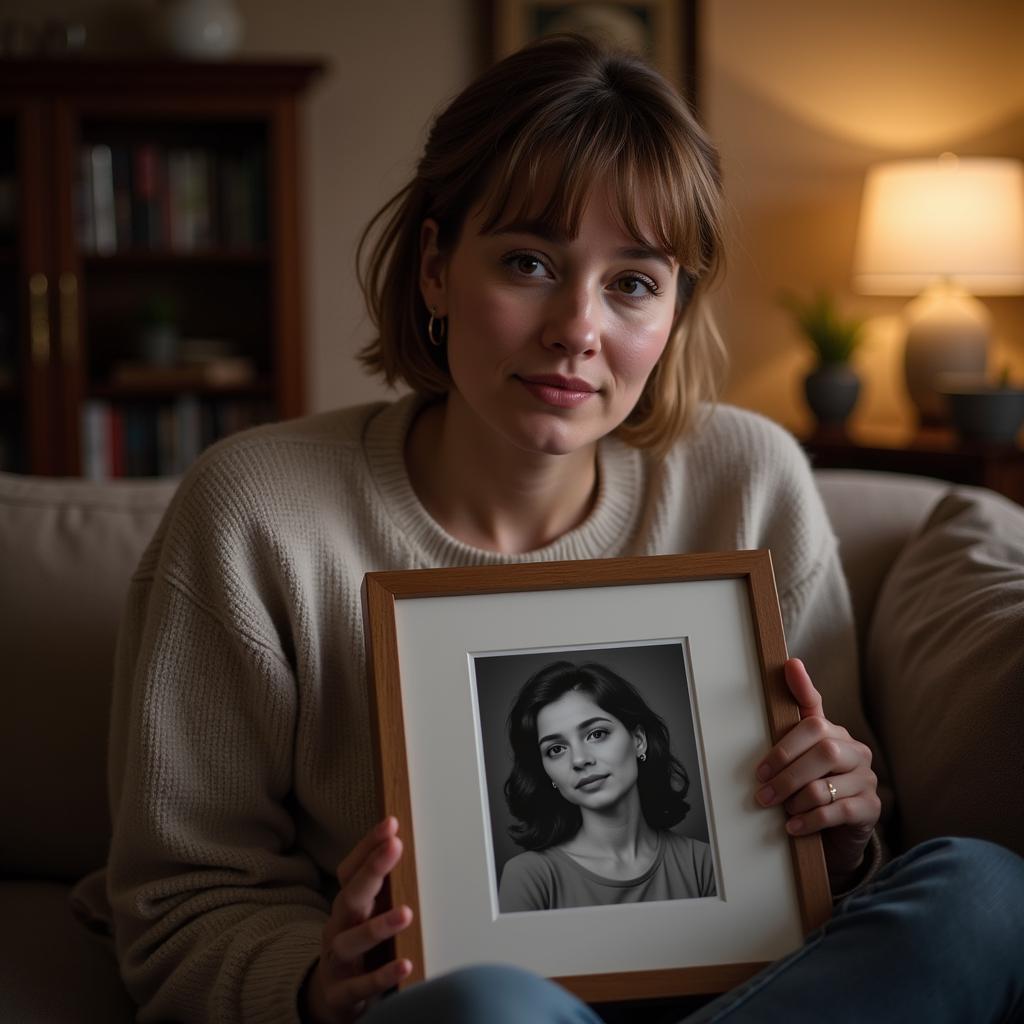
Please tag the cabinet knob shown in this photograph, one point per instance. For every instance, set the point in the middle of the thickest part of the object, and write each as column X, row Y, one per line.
column 39, row 319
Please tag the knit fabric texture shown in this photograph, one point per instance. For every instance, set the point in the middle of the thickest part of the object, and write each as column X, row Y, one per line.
column 241, row 766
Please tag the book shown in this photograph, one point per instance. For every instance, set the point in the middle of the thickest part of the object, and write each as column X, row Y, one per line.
column 115, row 442
column 147, row 197
column 141, row 457
column 188, row 415
column 121, row 164
column 167, row 442
column 191, row 206
column 83, row 202
column 200, row 209
column 242, row 200
column 180, row 235
column 95, row 439
column 104, row 220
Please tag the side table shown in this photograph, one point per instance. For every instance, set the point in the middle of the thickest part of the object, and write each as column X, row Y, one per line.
column 934, row 452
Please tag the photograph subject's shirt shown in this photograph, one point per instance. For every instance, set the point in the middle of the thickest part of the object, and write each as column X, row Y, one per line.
column 551, row 879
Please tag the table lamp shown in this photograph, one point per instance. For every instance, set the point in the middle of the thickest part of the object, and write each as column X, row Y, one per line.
column 943, row 229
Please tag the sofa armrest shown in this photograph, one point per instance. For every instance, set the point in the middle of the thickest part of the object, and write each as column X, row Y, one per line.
column 873, row 516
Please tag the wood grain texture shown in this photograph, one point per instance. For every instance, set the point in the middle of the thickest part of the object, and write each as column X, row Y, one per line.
column 683, row 981
column 813, row 890
column 392, row 769
column 284, row 198
column 531, row 576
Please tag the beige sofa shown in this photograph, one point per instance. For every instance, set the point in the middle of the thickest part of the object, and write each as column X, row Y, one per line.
column 937, row 578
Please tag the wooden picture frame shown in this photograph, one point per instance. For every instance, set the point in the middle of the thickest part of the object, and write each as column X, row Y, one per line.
column 429, row 631
column 662, row 31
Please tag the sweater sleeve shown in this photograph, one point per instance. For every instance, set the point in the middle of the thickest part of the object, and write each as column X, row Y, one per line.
column 217, row 912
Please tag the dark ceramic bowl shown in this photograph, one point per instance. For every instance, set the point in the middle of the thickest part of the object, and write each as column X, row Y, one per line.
column 986, row 413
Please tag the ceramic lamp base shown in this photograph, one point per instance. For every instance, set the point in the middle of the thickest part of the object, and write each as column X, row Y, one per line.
column 948, row 332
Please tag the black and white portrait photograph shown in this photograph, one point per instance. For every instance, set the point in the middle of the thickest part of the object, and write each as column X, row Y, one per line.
column 593, row 777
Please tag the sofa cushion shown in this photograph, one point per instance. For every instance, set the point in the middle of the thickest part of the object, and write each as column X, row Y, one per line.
column 945, row 679
column 67, row 548
column 54, row 970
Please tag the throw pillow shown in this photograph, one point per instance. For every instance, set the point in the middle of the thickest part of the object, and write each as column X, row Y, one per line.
column 945, row 680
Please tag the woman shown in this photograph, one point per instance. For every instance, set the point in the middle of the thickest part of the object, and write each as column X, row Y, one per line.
column 540, row 285
column 596, row 790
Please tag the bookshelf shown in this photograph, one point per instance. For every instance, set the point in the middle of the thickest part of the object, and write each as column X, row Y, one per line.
column 150, row 288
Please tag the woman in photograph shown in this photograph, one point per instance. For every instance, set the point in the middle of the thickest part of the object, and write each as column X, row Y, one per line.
column 540, row 290
column 596, row 790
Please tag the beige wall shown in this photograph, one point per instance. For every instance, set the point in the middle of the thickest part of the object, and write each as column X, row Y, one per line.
column 800, row 95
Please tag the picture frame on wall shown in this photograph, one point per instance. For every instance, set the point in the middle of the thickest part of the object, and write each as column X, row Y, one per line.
column 509, row 697
column 662, row 31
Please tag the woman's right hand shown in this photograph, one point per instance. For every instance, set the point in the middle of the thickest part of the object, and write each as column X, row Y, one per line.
column 338, row 987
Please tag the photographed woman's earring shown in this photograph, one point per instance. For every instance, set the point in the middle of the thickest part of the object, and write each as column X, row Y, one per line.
column 436, row 336
column 643, row 757
column 554, row 785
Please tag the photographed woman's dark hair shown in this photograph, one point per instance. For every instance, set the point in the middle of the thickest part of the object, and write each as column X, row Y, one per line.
column 545, row 818
column 567, row 111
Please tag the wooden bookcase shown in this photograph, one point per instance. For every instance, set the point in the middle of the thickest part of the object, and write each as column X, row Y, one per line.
column 132, row 192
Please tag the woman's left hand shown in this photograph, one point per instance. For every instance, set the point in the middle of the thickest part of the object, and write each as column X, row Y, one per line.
column 822, row 776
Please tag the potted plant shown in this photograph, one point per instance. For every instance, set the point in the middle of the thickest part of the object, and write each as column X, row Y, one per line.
column 832, row 387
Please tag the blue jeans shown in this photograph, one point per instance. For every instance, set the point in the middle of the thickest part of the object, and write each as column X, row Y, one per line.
column 936, row 936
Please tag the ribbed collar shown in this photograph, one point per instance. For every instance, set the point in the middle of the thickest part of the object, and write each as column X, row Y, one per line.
column 605, row 533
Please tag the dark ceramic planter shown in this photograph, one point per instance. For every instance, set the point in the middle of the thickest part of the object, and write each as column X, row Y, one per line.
column 832, row 392
column 991, row 415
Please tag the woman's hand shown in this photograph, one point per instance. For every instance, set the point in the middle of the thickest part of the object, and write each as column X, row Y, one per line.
column 799, row 771
column 338, row 987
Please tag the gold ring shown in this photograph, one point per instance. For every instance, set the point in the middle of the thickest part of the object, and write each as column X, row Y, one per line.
column 832, row 791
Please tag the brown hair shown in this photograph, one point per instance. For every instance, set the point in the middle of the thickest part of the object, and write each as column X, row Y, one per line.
column 567, row 106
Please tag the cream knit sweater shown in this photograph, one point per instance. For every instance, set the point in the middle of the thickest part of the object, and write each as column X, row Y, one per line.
column 240, row 751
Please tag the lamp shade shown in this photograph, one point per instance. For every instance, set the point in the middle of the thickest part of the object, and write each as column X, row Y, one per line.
column 959, row 220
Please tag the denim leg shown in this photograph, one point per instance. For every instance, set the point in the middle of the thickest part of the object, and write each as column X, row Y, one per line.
column 938, row 936
column 483, row 995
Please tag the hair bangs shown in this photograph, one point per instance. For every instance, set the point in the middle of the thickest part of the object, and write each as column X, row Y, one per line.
column 547, row 179
column 548, row 174
column 657, row 194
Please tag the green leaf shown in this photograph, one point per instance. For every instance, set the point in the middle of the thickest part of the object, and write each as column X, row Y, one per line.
column 833, row 336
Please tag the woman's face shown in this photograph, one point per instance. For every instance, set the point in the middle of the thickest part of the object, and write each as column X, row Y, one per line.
column 588, row 754
column 550, row 340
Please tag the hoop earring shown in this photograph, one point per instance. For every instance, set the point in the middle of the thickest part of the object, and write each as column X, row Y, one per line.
column 437, row 340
